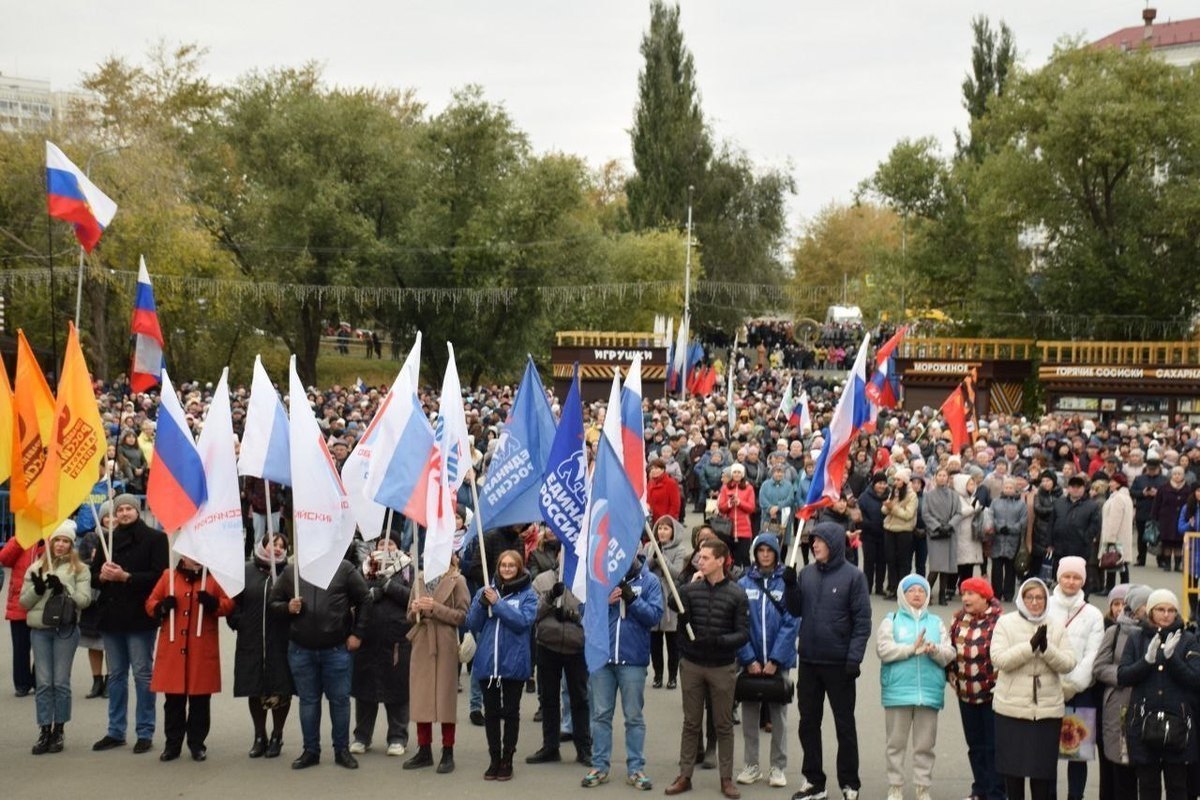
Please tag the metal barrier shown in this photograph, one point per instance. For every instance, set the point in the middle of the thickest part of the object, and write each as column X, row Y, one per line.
column 1191, row 574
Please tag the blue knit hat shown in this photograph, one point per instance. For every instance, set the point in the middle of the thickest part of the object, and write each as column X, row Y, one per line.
column 909, row 581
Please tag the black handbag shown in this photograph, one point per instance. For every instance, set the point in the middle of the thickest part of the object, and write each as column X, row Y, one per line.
column 763, row 688
column 59, row 612
column 1164, row 731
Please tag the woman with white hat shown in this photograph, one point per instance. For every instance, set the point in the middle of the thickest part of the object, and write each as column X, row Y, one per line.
column 54, row 633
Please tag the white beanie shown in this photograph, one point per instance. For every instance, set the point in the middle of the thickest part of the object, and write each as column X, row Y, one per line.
column 1162, row 597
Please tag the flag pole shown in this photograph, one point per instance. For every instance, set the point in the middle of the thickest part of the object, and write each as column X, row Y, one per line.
column 100, row 531
column 387, row 525
column 662, row 562
column 296, row 555
column 270, row 547
column 171, row 584
column 79, row 289
column 413, row 546
column 203, row 587
column 53, row 328
column 112, row 509
column 479, row 529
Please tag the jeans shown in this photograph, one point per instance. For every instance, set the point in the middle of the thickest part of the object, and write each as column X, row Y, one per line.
column 979, row 729
column 22, row 672
column 604, row 684
column 564, row 706
column 324, row 671
column 476, row 701
column 52, row 657
column 126, row 652
column 813, row 683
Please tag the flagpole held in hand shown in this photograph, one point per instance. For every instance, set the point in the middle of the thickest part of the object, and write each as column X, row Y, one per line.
column 203, row 586
column 417, row 587
column 387, row 525
column 171, row 587
column 791, row 559
column 270, row 532
column 112, row 510
column 479, row 529
column 100, row 532
column 670, row 581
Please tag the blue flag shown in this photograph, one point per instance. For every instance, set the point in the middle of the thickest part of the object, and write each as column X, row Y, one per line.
column 563, row 493
column 509, row 495
column 614, row 524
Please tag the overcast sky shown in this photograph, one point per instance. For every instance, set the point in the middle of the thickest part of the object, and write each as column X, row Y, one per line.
column 824, row 89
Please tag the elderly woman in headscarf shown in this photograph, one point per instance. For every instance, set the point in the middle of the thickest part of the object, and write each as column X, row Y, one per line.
column 940, row 510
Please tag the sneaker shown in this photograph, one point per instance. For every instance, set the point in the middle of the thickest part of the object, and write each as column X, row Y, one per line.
column 358, row 748
column 810, row 792
column 849, row 794
column 777, row 777
column 923, row 793
column 895, row 793
column 394, row 749
column 750, row 774
column 639, row 781
column 593, row 778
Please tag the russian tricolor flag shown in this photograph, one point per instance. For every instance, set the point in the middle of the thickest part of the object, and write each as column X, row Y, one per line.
column 71, row 197
column 852, row 412
column 633, row 441
column 147, row 335
column 177, row 486
column 403, row 446
column 265, row 449
column 884, row 389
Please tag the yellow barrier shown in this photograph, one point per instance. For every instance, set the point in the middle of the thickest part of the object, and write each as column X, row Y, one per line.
column 1191, row 573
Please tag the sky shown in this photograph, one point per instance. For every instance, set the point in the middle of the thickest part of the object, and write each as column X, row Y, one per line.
column 823, row 90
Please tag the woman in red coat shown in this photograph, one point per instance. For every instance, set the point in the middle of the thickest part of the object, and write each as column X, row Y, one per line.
column 662, row 492
column 17, row 558
column 187, row 670
column 736, row 501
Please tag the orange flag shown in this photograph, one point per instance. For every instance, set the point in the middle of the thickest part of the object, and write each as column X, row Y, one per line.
column 76, row 445
column 33, row 417
column 7, row 425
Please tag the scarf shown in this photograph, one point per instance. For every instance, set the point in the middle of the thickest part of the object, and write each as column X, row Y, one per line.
column 1020, row 602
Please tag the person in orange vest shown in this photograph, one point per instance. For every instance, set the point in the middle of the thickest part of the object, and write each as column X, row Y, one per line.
column 187, row 670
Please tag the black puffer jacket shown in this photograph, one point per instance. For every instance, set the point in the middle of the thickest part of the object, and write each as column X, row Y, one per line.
column 328, row 616
column 1075, row 527
column 260, row 665
column 833, row 604
column 142, row 552
column 719, row 616
column 1162, row 686
column 381, row 667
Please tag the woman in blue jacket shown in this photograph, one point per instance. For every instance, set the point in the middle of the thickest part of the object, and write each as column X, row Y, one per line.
column 915, row 648
column 771, row 650
column 501, row 617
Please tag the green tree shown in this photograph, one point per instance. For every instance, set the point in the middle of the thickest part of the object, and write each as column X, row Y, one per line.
column 993, row 58
column 845, row 245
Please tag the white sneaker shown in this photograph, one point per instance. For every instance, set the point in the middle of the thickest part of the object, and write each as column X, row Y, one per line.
column 776, row 777
column 849, row 794
column 395, row 749
column 750, row 774
column 358, row 748
column 895, row 793
column 923, row 793
column 810, row 792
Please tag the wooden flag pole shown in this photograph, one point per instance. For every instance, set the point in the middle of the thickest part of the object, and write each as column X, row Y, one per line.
column 112, row 507
column 100, row 531
column 479, row 529
column 203, row 587
column 662, row 562
column 387, row 525
column 791, row 559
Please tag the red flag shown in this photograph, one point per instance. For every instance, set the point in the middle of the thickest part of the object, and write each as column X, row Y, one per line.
column 956, row 412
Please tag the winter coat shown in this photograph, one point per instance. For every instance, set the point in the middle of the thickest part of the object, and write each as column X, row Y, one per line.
column 908, row 678
column 629, row 636
column 833, row 604
column 1028, row 685
column 381, row 665
column 1011, row 516
column 1075, row 527
column 77, row 583
column 1188, row 520
column 1168, row 685
column 942, row 552
column 966, row 549
column 780, row 494
column 772, row 629
column 719, row 616
column 142, row 552
column 192, row 663
column 1116, row 697
column 1144, row 503
column 972, row 674
column 1165, row 511
column 433, row 664
column 18, row 559
column 503, row 637
column 901, row 516
column 662, row 496
column 1117, row 524
column 736, row 501
column 260, row 663
column 1084, row 624
column 710, row 475
column 1043, row 518
column 328, row 617
column 676, row 561
column 871, row 506
column 559, row 621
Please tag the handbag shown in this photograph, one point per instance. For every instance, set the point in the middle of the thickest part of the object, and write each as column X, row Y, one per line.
column 722, row 526
column 1111, row 558
column 763, row 688
column 59, row 611
column 1151, row 534
column 466, row 648
column 1077, row 737
column 1162, row 731
column 983, row 525
column 1047, row 571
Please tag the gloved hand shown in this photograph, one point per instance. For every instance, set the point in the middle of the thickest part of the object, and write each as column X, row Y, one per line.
column 789, row 576
column 1168, row 647
column 557, row 590
column 207, row 601
column 1152, row 650
column 166, row 605
column 627, row 593
column 1038, row 640
column 853, row 669
column 39, row 585
column 54, row 584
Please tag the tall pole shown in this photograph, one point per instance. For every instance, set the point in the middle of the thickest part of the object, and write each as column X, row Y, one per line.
column 687, row 264
column 53, row 322
column 87, row 170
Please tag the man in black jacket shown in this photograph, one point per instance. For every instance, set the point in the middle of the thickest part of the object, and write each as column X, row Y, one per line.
column 1142, row 491
column 870, row 503
column 1075, row 525
column 718, row 612
column 139, row 556
column 327, row 626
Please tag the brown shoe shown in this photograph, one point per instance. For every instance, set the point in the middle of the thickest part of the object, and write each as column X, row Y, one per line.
column 682, row 784
column 729, row 790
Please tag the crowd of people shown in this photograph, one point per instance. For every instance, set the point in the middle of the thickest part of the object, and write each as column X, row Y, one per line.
column 771, row 608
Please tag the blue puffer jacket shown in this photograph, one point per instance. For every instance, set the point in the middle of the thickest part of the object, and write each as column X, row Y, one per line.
column 772, row 629
column 833, row 604
column 503, row 638
column 629, row 638
column 908, row 678
column 775, row 493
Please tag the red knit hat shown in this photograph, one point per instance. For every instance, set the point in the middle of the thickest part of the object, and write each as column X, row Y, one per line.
column 980, row 586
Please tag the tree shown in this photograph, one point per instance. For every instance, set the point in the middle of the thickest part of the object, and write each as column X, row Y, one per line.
column 993, row 58
column 845, row 245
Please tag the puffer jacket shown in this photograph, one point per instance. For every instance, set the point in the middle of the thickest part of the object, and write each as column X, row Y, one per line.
column 902, row 514
column 1011, row 516
column 328, row 616
column 719, row 616
column 972, row 674
column 559, row 625
column 1084, row 624
column 1075, row 527
column 17, row 558
column 77, row 583
column 781, row 494
column 736, row 501
column 833, row 604
column 772, row 629
column 908, row 678
column 1117, row 524
column 629, row 637
column 1043, row 517
column 1028, row 685
column 676, row 561
column 1163, row 686
column 1116, row 697
column 503, row 637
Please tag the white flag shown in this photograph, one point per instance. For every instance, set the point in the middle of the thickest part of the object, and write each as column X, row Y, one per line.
column 215, row 536
column 452, row 460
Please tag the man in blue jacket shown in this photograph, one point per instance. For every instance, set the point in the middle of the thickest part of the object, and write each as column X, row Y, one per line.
column 770, row 651
column 831, row 599
column 634, row 607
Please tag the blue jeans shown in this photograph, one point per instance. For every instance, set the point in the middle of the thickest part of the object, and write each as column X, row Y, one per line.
column 979, row 729
column 564, row 702
column 322, row 671
column 52, row 657
column 476, row 700
column 603, row 685
column 133, row 650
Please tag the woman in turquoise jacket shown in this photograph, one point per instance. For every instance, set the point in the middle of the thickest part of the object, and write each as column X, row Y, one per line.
column 915, row 648
column 501, row 617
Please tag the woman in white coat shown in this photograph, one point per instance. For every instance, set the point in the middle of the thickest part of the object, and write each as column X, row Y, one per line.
column 967, row 551
column 1117, row 526
column 1084, row 624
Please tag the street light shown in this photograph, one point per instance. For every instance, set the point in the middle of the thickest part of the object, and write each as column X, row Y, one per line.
column 87, row 170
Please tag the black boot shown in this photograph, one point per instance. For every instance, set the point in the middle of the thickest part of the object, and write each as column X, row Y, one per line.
column 56, row 738
column 43, row 743
column 423, row 758
column 493, row 768
column 274, row 746
column 259, row 748
column 505, row 772
column 97, row 687
column 446, row 765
